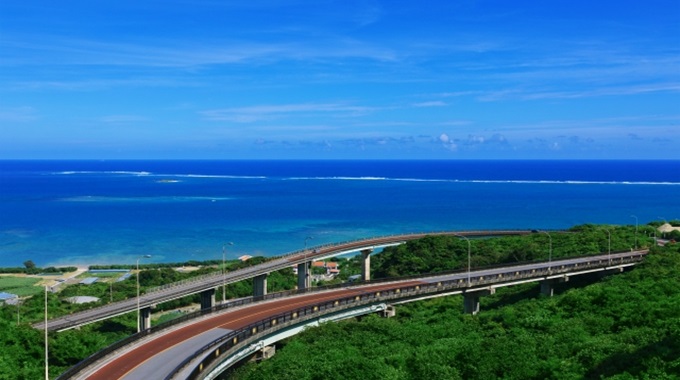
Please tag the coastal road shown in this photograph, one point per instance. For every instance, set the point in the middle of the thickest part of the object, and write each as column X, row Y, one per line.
column 182, row 289
column 156, row 358
column 159, row 354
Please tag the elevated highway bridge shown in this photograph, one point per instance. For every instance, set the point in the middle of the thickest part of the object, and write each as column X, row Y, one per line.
column 204, row 345
column 207, row 285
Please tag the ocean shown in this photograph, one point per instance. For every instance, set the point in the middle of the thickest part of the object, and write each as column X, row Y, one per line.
column 102, row 212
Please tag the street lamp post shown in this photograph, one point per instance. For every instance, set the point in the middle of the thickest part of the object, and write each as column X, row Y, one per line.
column 308, row 267
column 138, row 308
column 636, row 230
column 609, row 246
column 224, row 273
column 549, row 251
column 47, row 344
column 469, row 255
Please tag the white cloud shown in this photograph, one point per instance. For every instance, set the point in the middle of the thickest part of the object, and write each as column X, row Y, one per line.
column 269, row 112
column 178, row 53
column 18, row 114
column 447, row 142
column 476, row 139
column 434, row 103
column 119, row 119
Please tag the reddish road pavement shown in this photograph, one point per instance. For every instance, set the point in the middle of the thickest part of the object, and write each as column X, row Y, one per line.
column 125, row 365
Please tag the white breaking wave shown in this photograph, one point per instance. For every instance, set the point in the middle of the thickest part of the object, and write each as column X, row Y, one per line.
column 376, row 178
column 213, row 176
column 491, row 181
column 120, row 172
column 150, row 174
column 338, row 178
column 103, row 199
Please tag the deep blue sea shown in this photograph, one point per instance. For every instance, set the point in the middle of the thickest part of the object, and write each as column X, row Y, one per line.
column 86, row 212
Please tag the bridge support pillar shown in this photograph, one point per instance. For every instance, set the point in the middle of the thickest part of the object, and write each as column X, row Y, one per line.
column 304, row 276
column 366, row 264
column 547, row 288
column 267, row 352
column 144, row 318
column 389, row 312
column 548, row 285
column 471, row 300
column 207, row 299
column 260, row 285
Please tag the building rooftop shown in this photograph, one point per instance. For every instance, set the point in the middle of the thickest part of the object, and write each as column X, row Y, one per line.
column 82, row 299
column 89, row 280
column 6, row 296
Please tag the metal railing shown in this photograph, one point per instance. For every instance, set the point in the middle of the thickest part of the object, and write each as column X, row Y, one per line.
column 555, row 268
column 442, row 286
column 247, row 334
column 195, row 285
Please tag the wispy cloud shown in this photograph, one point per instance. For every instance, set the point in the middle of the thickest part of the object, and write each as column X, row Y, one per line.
column 182, row 53
column 367, row 14
column 268, row 112
column 433, row 103
column 122, row 119
column 80, row 84
column 18, row 114
column 523, row 93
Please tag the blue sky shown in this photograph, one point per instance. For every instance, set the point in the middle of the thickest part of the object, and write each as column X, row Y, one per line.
column 340, row 79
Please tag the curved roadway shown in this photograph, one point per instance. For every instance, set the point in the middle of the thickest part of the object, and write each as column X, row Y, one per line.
column 157, row 356
column 179, row 290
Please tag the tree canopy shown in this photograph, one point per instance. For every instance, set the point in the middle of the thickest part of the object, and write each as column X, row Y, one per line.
column 623, row 327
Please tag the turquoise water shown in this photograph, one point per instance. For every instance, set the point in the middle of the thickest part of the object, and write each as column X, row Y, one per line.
column 85, row 212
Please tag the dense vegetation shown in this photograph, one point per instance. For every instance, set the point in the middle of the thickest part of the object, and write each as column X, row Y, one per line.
column 622, row 327
column 427, row 338
column 439, row 254
column 30, row 268
column 22, row 346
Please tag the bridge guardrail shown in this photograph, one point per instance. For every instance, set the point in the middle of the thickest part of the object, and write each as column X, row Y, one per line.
column 326, row 246
column 246, row 335
column 249, row 300
column 215, row 278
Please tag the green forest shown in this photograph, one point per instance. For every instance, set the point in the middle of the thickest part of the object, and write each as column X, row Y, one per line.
column 623, row 326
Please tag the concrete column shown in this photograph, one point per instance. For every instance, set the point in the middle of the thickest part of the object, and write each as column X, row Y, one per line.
column 471, row 300
column 265, row 353
column 547, row 288
column 366, row 264
column 268, row 352
column 260, row 285
column 470, row 304
column 304, row 275
column 389, row 312
column 207, row 299
column 145, row 318
column 548, row 285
